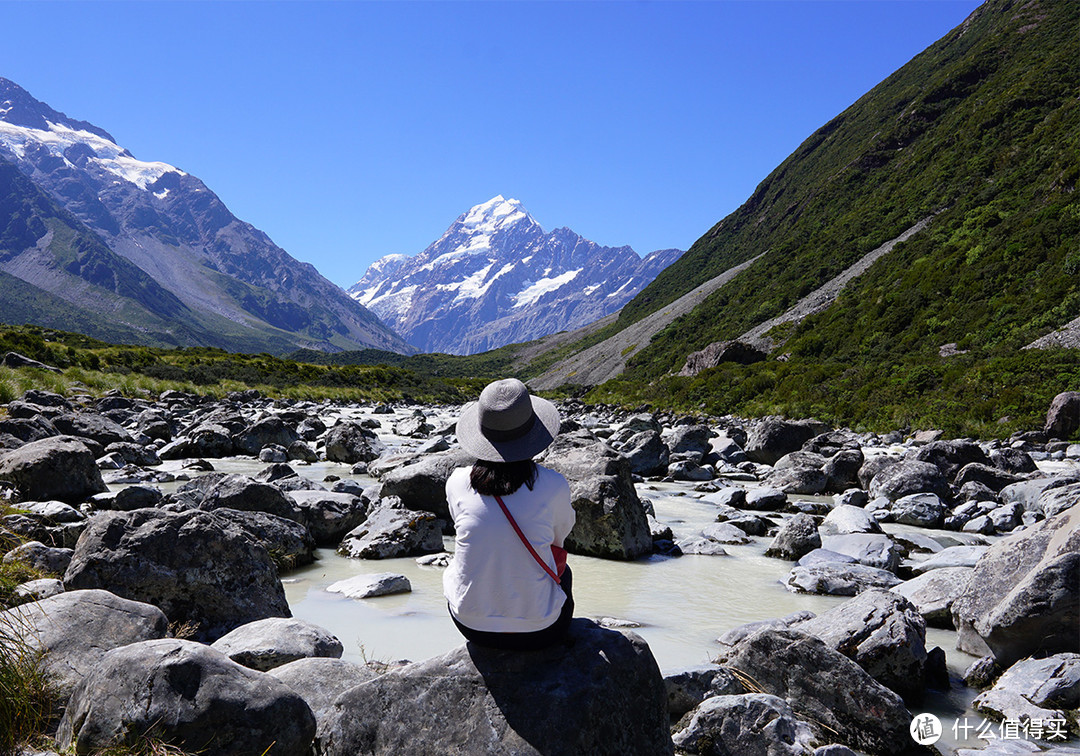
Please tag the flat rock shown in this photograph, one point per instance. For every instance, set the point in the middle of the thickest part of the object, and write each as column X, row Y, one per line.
column 952, row 556
column 272, row 642
column 320, row 680
column 871, row 549
column 838, row 579
column 933, row 593
column 601, row 694
column 370, row 586
column 846, row 519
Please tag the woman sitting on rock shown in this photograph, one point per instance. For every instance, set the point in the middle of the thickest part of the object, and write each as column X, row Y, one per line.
column 508, row 585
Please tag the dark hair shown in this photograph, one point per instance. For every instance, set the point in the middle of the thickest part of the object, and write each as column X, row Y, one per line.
column 502, row 478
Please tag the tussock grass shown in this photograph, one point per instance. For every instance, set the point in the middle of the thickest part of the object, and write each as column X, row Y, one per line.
column 25, row 689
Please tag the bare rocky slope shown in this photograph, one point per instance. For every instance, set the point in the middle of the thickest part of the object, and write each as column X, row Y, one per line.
column 149, row 250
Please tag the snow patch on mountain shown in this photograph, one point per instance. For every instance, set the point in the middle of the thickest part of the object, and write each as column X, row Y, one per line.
column 533, row 292
column 59, row 139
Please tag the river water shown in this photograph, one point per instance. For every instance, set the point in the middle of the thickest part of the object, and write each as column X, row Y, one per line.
column 678, row 605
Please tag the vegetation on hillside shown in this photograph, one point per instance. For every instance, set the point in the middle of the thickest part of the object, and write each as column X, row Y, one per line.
column 980, row 131
column 99, row 366
column 982, row 128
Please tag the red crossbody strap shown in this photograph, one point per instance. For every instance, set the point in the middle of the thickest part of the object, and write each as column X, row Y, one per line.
column 525, row 541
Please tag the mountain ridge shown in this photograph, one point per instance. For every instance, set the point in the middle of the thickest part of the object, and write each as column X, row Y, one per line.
column 241, row 291
column 495, row 277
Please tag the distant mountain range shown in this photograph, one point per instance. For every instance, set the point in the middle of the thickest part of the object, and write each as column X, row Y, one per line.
column 94, row 240
column 496, row 277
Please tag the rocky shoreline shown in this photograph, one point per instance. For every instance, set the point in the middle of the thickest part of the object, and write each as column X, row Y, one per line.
column 167, row 611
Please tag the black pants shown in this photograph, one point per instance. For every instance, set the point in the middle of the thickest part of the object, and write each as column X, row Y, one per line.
column 550, row 635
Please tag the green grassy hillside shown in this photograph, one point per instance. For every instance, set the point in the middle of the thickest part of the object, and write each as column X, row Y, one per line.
column 984, row 128
column 981, row 131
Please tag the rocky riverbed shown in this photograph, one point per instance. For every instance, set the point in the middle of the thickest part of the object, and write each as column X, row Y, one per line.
column 761, row 586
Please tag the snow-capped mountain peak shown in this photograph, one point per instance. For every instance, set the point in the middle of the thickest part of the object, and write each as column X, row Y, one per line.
column 494, row 214
column 495, row 277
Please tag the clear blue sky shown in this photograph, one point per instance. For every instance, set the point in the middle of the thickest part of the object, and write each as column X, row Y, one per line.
column 350, row 130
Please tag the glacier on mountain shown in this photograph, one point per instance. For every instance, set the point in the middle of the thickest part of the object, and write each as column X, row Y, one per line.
column 59, row 139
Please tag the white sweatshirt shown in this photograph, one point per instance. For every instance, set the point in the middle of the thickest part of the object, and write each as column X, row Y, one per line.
column 493, row 583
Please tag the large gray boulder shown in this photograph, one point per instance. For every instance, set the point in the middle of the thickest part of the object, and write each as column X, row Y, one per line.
column 647, row 453
column 951, row 456
column 842, row 470
column 883, row 633
column 60, row 467
column 1024, row 596
column 987, row 475
column 798, row 536
column 320, row 680
column 388, row 533
column 689, row 438
column 207, row 440
column 831, row 693
column 264, row 432
column 75, row 629
column 750, row 724
column 93, row 426
column 197, row 567
column 1063, row 416
column 909, row 477
column 1034, row 689
column 934, row 592
column 350, row 442
column 272, row 642
column 611, row 520
column 329, row 515
column 420, row 483
column 289, row 543
column 774, row 437
column 189, row 696
column 601, row 693
column 924, row 510
column 250, row 495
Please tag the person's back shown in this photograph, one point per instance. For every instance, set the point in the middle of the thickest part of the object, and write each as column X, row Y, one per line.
column 504, row 587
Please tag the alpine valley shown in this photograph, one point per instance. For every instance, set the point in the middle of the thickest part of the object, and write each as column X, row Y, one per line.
column 496, row 278
column 94, row 240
